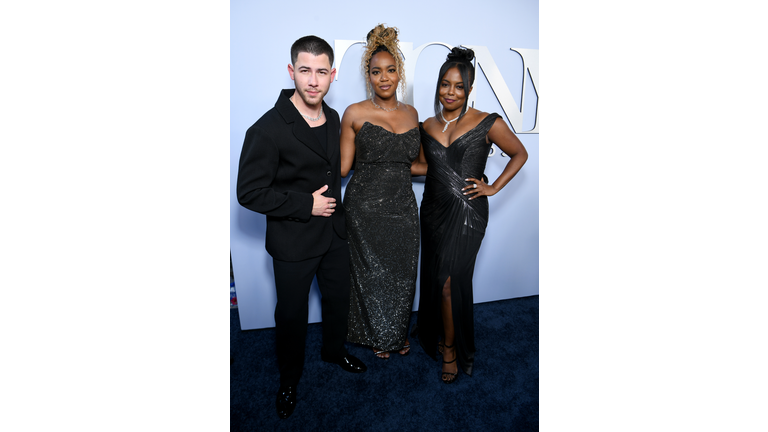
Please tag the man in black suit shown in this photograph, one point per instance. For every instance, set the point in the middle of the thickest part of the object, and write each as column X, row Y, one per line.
column 289, row 171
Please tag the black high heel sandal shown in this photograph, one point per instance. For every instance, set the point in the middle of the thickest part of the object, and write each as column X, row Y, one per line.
column 452, row 375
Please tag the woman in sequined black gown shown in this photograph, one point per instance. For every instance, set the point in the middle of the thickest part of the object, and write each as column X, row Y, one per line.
column 454, row 210
column 381, row 136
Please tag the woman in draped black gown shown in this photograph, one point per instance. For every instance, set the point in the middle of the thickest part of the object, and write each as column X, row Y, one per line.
column 454, row 210
column 381, row 136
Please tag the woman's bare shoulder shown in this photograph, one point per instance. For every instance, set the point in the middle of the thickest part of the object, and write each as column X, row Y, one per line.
column 412, row 111
column 355, row 112
column 357, row 107
column 476, row 114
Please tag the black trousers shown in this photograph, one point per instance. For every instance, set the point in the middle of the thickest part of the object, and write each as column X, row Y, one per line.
column 293, row 281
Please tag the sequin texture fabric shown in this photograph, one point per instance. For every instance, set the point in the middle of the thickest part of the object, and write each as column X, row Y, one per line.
column 383, row 234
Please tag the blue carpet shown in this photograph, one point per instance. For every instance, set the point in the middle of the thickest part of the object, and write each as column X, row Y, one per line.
column 402, row 393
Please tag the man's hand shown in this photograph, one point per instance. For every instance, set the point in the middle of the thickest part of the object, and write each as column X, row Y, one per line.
column 322, row 206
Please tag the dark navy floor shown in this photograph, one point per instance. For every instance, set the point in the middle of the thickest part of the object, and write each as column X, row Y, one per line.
column 402, row 393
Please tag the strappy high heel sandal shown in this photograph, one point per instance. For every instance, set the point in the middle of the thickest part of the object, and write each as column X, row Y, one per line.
column 452, row 376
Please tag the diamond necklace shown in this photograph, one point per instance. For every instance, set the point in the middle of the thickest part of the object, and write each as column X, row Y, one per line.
column 308, row 117
column 385, row 109
column 446, row 121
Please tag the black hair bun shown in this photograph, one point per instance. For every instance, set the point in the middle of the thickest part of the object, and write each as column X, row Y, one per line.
column 461, row 54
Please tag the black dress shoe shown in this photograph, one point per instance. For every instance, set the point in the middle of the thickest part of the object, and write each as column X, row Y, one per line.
column 286, row 401
column 351, row 363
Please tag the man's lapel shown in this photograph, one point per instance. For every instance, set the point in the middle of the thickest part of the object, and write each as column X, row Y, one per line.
column 300, row 128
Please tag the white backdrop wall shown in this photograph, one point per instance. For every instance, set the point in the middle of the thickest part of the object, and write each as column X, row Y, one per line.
column 261, row 36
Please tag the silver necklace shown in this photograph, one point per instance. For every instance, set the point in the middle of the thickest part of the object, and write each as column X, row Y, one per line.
column 447, row 122
column 385, row 109
column 308, row 117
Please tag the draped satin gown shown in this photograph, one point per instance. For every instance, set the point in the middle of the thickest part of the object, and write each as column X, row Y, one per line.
column 383, row 234
column 452, row 228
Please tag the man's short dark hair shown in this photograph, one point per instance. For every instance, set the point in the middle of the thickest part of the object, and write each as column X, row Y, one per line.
column 313, row 45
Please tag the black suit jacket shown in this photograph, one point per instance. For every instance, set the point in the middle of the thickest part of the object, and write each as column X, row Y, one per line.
column 281, row 164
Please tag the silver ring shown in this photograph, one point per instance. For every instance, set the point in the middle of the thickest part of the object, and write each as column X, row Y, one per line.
column 475, row 185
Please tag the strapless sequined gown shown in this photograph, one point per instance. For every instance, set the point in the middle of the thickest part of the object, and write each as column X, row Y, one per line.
column 383, row 234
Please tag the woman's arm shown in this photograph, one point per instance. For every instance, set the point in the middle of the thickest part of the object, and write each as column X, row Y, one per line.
column 509, row 144
column 347, row 140
column 419, row 165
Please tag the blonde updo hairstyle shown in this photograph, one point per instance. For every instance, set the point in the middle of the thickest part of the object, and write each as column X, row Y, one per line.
column 380, row 39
